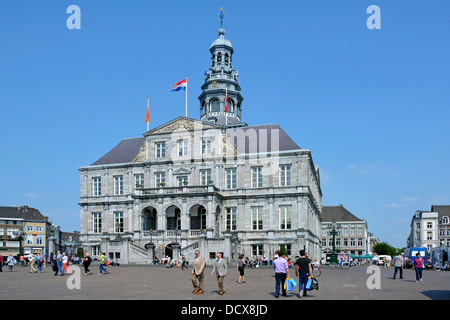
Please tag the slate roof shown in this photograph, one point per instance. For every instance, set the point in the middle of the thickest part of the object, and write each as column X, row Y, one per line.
column 247, row 139
column 24, row 212
column 442, row 210
column 124, row 152
column 268, row 138
column 339, row 213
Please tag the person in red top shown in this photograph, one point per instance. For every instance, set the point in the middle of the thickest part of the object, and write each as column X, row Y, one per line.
column 418, row 266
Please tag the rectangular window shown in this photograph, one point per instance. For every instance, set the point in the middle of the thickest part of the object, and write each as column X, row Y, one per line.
column 231, row 219
column 118, row 185
column 96, row 186
column 352, row 242
column 97, row 222
column 118, row 221
column 182, row 181
column 206, row 145
column 160, row 179
column 160, row 149
column 39, row 240
column 285, row 217
column 205, row 177
column 182, row 147
column 429, row 235
column 285, row 175
column 429, row 225
column 231, row 178
column 257, row 250
column 257, row 218
column 139, row 181
column 286, row 247
column 257, row 178
column 360, row 242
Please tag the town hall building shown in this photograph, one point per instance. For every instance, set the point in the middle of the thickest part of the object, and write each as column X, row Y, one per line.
column 214, row 184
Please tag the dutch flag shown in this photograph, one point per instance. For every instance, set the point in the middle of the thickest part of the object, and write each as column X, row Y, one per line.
column 181, row 85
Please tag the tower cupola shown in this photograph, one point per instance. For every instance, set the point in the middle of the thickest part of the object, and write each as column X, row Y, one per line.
column 221, row 83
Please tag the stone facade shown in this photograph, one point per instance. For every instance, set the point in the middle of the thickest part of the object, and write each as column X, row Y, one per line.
column 213, row 184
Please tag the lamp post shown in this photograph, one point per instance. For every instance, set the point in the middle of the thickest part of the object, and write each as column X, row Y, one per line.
column 19, row 236
column 334, row 233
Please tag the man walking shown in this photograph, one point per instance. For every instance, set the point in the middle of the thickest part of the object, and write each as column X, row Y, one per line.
column 398, row 264
column 58, row 259
column 33, row 262
column 220, row 269
column 198, row 272
column 281, row 268
column 303, row 269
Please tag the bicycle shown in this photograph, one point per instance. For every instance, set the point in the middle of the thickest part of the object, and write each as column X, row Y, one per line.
column 316, row 271
column 438, row 266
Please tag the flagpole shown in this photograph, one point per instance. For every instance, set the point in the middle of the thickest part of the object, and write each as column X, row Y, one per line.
column 148, row 102
column 226, row 111
column 186, row 94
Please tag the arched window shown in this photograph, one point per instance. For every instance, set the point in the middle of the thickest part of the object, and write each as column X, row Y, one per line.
column 214, row 105
column 230, row 106
column 219, row 57
column 213, row 60
column 226, row 58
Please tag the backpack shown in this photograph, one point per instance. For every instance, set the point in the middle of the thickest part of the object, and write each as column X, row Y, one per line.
column 106, row 262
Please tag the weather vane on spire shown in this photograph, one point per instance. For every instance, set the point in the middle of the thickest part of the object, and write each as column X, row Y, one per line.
column 221, row 17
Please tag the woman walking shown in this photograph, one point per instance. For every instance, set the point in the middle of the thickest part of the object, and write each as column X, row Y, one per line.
column 65, row 262
column 418, row 266
column 240, row 266
column 10, row 262
column 86, row 263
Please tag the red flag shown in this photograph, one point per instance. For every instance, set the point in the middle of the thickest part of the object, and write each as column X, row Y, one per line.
column 146, row 117
column 226, row 100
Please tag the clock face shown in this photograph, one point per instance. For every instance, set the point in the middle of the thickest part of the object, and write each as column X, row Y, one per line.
column 214, row 85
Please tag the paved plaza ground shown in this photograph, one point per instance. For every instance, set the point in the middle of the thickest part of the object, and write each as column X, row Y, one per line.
column 160, row 283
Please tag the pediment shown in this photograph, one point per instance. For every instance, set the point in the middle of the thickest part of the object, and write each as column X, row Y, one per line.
column 182, row 124
column 181, row 171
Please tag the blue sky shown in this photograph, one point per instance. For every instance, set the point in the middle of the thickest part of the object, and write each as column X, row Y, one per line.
column 371, row 105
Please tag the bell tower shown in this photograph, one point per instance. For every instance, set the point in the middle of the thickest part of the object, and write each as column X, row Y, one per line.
column 221, row 83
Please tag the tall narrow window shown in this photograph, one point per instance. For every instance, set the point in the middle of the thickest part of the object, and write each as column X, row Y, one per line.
column 257, row 177
column 205, row 176
column 97, row 222
column 160, row 149
column 231, row 219
column 139, row 181
column 182, row 181
column 118, row 185
column 206, row 145
column 118, row 221
column 285, row 175
column 160, row 179
column 231, row 178
column 182, row 148
column 285, row 217
column 257, row 218
column 96, row 186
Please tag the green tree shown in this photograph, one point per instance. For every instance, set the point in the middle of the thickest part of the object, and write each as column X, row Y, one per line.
column 383, row 248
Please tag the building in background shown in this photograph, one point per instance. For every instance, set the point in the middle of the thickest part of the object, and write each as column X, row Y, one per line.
column 27, row 229
column 353, row 237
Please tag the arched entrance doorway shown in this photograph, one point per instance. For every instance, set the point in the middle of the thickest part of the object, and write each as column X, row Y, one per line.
column 149, row 219
column 198, row 217
column 173, row 215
